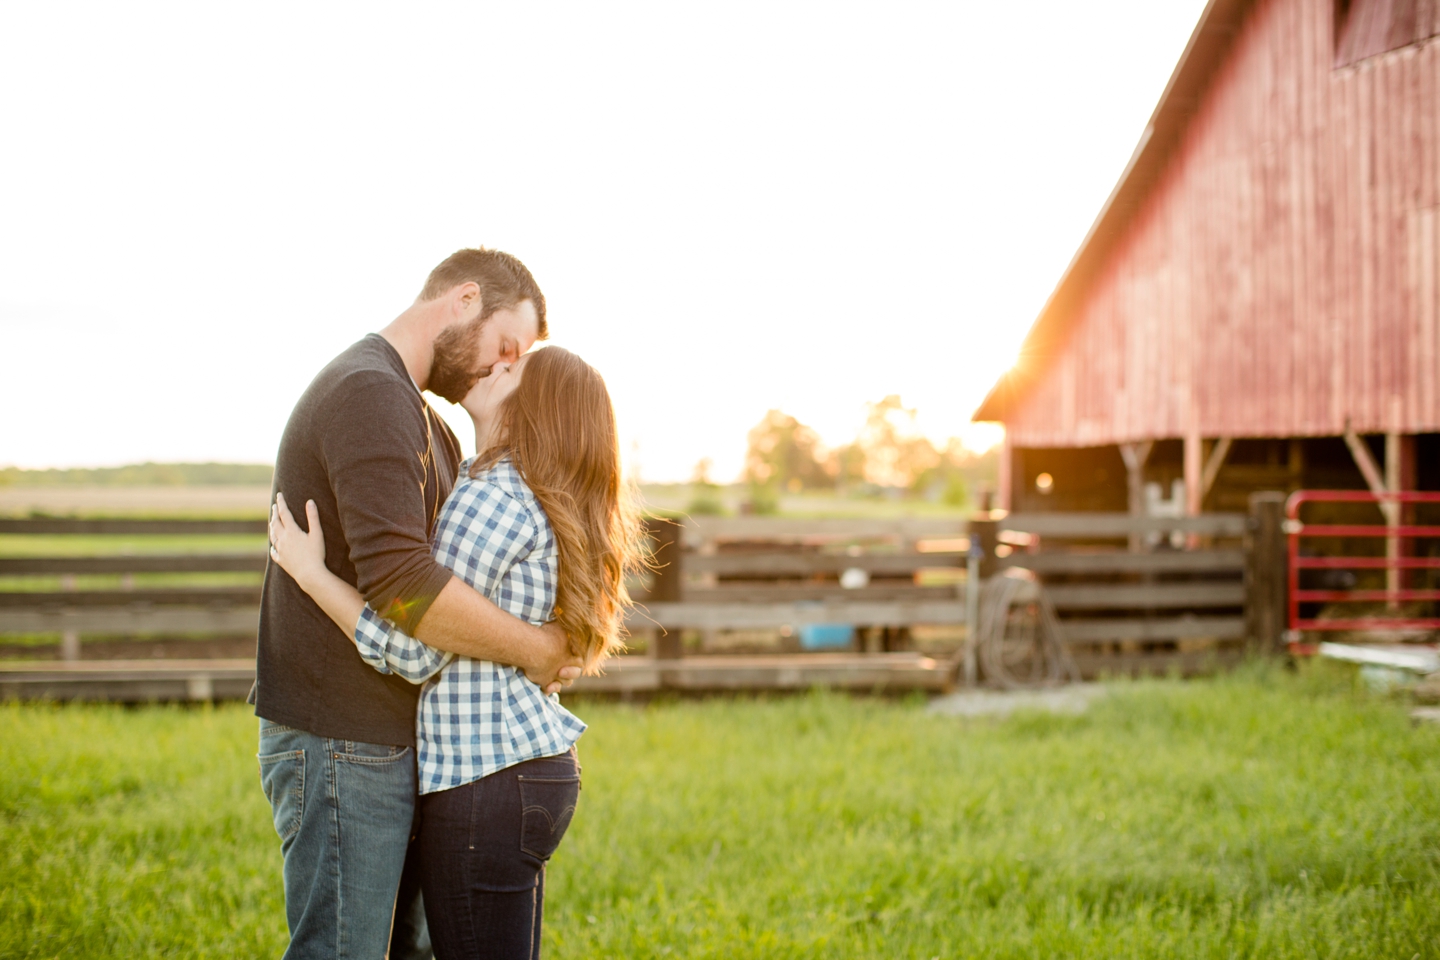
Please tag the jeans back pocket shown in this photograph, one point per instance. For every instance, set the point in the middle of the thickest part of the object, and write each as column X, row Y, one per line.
column 283, row 777
column 546, row 808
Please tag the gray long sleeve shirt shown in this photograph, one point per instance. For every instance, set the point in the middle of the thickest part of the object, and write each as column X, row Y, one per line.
column 378, row 462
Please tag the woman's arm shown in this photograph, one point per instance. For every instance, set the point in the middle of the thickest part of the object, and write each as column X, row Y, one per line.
column 380, row 644
column 302, row 555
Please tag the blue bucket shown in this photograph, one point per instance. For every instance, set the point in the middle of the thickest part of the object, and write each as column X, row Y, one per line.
column 826, row 636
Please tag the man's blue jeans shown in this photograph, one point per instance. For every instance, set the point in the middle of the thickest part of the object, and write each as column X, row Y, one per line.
column 344, row 811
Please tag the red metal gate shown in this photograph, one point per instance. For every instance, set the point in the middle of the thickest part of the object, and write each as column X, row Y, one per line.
column 1396, row 532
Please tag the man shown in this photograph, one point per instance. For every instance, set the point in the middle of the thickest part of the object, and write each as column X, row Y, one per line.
column 337, row 738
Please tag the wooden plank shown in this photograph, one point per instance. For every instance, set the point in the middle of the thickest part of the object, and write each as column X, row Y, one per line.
column 58, row 525
column 206, row 679
column 1122, row 525
column 806, row 564
column 128, row 681
column 132, row 620
column 797, row 592
column 1171, row 628
column 787, row 530
column 896, row 671
column 1147, row 596
column 142, row 563
column 760, row 616
column 128, row 668
column 205, row 596
column 1164, row 562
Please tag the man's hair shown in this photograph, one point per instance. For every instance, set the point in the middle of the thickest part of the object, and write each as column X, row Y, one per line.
column 504, row 282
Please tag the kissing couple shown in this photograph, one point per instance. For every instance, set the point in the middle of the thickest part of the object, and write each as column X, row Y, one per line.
column 420, row 615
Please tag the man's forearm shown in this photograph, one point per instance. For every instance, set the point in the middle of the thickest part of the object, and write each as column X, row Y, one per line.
column 463, row 621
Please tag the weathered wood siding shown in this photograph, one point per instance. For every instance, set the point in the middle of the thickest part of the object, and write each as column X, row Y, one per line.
column 1281, row 276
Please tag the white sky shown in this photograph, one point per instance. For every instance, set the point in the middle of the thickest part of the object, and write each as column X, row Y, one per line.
column 730, row 207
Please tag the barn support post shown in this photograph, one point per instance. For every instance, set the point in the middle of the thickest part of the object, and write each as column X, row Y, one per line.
column 1399, row 475
column 1135, row 455
column 1213, row 463
column 1266, row 573
column 1007, row 474
column 1194, row 474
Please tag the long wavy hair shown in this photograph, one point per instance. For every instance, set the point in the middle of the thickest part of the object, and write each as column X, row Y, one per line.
column 558, row 427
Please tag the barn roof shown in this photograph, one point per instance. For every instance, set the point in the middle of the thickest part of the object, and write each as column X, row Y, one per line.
column 1203, row 55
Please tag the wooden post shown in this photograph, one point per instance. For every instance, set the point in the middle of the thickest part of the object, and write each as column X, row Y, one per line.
column 969, row 663
column 69, row 639
column 668, row 583
column 1266, row 572
column 980, row 566
column 985, row 532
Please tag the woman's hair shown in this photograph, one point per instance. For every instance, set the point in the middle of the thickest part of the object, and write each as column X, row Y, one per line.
column 558, row 427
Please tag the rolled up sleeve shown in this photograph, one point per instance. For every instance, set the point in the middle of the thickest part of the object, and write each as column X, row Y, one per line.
column 390, row 650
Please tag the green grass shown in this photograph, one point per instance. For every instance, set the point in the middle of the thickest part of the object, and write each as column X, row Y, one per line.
column 1259, row 815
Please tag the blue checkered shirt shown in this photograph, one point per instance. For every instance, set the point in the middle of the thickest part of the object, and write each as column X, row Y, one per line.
column 476, row 717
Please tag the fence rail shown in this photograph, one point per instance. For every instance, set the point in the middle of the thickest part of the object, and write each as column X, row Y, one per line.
column 1398, row 536
column 135, row 563
column 1118, row 525
column 63, row 525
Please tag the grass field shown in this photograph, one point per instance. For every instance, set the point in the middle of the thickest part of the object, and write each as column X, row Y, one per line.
column 1260, row 815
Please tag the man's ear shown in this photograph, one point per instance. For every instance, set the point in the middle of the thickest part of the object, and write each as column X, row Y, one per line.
column 466, row 299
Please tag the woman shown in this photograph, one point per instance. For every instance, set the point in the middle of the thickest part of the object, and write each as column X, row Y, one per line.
column 538, row 524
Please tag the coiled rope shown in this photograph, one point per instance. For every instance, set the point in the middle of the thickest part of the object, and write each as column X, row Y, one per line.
column 1020, row 642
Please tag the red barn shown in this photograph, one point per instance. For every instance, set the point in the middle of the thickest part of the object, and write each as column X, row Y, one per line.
column 1256, row 305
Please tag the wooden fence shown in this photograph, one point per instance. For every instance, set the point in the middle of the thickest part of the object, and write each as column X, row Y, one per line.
column 1189, row 608
column 1179, row 605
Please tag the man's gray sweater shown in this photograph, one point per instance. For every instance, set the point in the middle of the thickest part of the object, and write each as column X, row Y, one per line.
column 378, row 462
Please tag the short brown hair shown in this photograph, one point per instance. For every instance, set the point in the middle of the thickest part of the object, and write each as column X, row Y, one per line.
column 504, row 282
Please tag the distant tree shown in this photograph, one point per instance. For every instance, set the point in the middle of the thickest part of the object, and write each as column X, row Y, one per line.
column 783, row 453
column 896, row 453
column 948, row 481
column 846, row 465
column 705, row 500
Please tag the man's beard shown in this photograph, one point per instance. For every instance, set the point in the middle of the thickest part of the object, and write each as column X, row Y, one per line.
column 456, row 366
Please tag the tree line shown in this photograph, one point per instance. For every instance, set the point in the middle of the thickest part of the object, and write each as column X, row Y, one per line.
column 889, row 454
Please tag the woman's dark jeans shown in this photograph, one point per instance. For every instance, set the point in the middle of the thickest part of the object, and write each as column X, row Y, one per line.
column 483, row 847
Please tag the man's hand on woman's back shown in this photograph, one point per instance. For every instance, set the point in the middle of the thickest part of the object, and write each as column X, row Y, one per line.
column 560, row 667
column 463, row 621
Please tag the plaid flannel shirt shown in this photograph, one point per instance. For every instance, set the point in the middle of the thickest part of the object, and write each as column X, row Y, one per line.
column 476, row 717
